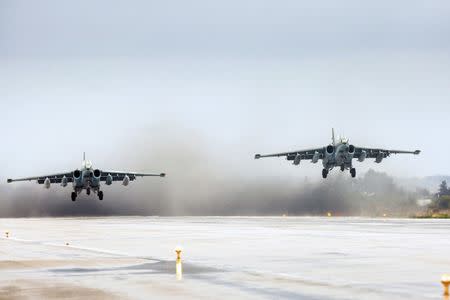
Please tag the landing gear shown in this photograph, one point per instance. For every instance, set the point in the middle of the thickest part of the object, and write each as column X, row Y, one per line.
column 324, row 173
column 74, row 196
column 353, row 172
column 342, row 168
column 88, row 192
column 100, row 195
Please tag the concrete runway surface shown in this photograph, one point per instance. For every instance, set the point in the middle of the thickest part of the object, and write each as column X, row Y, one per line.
column 223, row 258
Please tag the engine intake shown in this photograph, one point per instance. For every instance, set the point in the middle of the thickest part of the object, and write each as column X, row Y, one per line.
column 330, row 149
column 351, row 149
column 77, row 174
column 97, row 173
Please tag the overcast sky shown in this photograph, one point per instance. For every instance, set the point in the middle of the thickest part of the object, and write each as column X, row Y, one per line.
column 240, row 77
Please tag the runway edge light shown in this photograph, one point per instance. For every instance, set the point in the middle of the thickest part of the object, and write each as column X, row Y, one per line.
column 179, row 266
column 445, row 280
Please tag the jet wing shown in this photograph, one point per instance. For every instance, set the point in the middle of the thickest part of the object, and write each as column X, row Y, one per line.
column 54, row 178
column 306, row 154
column 377, row 152
column 119, row 175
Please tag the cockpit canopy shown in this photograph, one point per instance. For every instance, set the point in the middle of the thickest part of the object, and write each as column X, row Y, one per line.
column 86, row 164
column 343, row 140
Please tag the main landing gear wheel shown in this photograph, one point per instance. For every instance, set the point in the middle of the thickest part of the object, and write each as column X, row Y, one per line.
column 74, row 196
column 353, row 172
column 100, row 195
column 324, row 173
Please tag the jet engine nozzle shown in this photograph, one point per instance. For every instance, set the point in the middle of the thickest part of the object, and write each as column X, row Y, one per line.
column 126, row 180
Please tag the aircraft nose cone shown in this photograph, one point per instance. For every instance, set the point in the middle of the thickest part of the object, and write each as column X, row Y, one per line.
column 344, row 149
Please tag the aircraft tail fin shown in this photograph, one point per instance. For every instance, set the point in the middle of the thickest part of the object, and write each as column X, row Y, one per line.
column 333, row 138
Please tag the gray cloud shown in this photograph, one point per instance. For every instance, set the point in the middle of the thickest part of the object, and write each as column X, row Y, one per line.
column 199, row 29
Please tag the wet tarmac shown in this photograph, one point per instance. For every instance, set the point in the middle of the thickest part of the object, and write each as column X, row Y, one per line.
column 223, row 258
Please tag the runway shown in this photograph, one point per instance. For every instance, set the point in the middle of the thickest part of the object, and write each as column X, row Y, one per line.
column 223, row 258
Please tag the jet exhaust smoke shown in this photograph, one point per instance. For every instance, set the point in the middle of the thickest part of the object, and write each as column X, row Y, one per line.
column 200, row 183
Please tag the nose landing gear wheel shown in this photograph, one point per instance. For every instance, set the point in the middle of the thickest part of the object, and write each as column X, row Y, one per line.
column 74, row 196
column 324, row 173
column 353, row 172
column 88, row 192
column 100, row 195
column 342, row 168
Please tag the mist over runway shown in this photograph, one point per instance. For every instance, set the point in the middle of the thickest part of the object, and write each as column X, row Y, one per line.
column 203, row 181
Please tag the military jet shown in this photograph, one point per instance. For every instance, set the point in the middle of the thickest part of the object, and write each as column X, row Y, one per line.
column 87, row 178
column 337, row 154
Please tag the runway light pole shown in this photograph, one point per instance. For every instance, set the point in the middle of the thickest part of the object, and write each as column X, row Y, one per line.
column 178, row 266
column 445, row 280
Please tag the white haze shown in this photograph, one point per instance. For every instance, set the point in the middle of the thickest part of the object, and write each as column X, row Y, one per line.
column 215, row 83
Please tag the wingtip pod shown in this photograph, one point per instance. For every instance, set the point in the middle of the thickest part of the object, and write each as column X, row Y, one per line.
column 162, row 175
column 257, row 156
column 9, row 180
column 417, row 152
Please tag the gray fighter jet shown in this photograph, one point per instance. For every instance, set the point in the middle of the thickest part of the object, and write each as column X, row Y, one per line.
column 87, row 178
column 337, row 154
